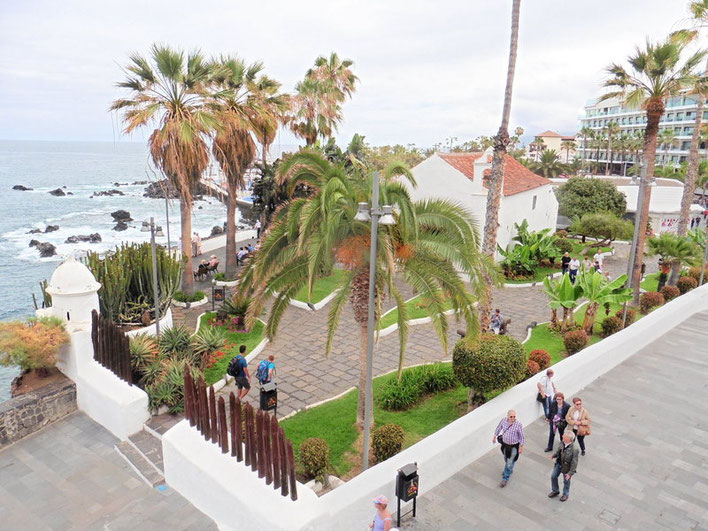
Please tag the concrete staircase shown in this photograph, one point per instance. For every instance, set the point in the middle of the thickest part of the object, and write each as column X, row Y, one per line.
column 143, row 450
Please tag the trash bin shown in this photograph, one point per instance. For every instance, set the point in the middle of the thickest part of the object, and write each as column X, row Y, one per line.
column 269, row 396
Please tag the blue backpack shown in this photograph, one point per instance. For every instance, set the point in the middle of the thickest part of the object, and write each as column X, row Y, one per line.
column 262, row 371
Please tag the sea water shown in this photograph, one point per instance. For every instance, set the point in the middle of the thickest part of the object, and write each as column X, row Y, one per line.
column 81, row 169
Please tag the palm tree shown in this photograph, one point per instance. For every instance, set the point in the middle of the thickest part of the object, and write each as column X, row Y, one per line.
column 169, row 88
column 244, row 104
column 610, row 130
column 317, row 104
column 549, row 165
column 587, row 133
column 656, row 73
column 431, row 245
column 667, row 139
column 598, row 143
column 567, row 146
column 674, row 250
column 496, row 181
column 599, row 291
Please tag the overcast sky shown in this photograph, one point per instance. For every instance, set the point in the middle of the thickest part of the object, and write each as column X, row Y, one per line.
column 428, row 70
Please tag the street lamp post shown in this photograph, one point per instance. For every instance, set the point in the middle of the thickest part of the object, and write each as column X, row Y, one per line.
column 155, row 291
column 384, row 216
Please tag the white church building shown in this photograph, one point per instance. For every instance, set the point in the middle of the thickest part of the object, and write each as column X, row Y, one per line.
column 462, row 177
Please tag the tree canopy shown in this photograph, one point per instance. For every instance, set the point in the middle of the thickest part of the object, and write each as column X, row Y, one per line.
column 603, row 226
column 583, row 195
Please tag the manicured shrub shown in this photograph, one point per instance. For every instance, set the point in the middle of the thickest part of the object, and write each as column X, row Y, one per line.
column 32, row 344
column 686, row 284
column 437, row 377
column 314, row 457
column 563, row 245
column 488, row 362
column 650, row 300
column 532, row 368
column 183, row 297
column 387, row 441
column 611, row 325
column 575, row 341
column 541, row 357
column 695, row 272
column 631, row 316
column 398, row 395
column 670, row 292
column 562, row 233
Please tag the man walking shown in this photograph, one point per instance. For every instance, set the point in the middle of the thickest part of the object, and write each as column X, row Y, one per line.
column 565, row 261
column 238, row 368
column 548, row 390
column 258, row 229
column 510, row 433
column 566, row 456
column 573, row 267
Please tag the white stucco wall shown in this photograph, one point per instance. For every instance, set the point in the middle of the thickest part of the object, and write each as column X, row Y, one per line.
column 515, row 208
column 215, row 484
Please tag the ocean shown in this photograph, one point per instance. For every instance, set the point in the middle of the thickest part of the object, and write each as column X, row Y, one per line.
column 80, row 169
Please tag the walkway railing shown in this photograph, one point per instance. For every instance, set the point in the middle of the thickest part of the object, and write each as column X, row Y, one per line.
column 111, row 347
column 256, row 437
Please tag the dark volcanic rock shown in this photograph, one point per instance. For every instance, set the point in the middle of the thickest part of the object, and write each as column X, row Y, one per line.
column 21, row 188
column 121, row 215
column 91, row 238
column 51, row 228
column 35, row 231
column 70, row 193
column 140, row 182
column 121, row 225
column 33, row 243
column 156, row 190
column 46, row 249
column 108, row 193
column 57, row 192
column 216, row 230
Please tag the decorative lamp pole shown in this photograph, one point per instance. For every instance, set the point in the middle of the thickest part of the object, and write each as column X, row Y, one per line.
column 384, row 216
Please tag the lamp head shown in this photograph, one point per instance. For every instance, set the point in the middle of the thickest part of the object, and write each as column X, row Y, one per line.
column 387, row 217
column 363, row 212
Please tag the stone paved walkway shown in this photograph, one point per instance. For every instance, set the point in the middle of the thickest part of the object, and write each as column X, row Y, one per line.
column 647, row 459
column 68, row 476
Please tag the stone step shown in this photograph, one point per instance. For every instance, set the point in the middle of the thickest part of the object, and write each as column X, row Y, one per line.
column 159, row 424
column 150, row 447
column 140, row 464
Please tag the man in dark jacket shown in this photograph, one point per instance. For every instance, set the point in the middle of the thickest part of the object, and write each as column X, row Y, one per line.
column 566, row 456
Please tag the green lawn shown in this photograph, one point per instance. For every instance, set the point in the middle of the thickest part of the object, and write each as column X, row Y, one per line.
column 322, row 287
column 251, row 339
column 578, row 247
column 335, row 422
column 415, row 311
column 539, row 275
column 650, row 282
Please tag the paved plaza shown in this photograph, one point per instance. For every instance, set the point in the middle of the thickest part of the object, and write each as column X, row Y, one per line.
column 647, row 458
column 69, row 476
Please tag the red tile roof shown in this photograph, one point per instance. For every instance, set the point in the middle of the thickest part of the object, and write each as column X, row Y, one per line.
column 517, row 177
column 549, row 133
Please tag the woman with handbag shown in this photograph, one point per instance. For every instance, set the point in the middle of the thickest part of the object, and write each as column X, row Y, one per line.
column 579, row 419
column 558, row 411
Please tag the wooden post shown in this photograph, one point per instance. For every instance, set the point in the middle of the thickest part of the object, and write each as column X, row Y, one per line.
column 212, row 418
column 252, row 435
column 259, row 438
column 204, row 408
column 267, row 449
column 283, row 463
column 239, row 430
column 187, row 397
column 223, row 437
column 247, row 453
column 274, row 446
column 291, row 470
column 232, row 416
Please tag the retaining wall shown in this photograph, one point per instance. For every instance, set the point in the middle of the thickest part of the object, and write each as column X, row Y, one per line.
column 27, row 413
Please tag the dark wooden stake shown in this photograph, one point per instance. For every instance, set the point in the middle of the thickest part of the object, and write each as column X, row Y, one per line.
column 276, row 458
column 267, row 449
column 212, row 418
column 291, row 471
column 232, row 415
column 283, row 463
column 223, row 429
column 247, row 453
column 259, row 438
column 239, row 431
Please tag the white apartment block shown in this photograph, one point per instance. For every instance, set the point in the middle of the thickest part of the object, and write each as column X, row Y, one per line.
column 679, row 116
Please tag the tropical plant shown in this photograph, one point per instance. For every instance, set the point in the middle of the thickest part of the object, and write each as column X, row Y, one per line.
column 314, row 458
column 686, row 284
column 611, row 325
column 143, row 351
column 517, row 261
column 610, row 130
column 541, row 243
column 562, row 294
column 630, row 317
column 126, row 294
column 549, row 165
column 496, row 181
column 387, row 441
column 431, row 245
column 584, row 195
column 650, row 300
column 605, row 227
column 599, row 292
column 656, row 73
column 206, row 342
column 183, row 297
column 169, row 88
column 575, row 341
column 670, row 292
column 674, row 250
column 32, row 344
column 567, row 146
column 487, row 363
column 401, row 395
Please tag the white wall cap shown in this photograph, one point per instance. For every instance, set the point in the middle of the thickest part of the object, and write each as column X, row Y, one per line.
column 72, row 278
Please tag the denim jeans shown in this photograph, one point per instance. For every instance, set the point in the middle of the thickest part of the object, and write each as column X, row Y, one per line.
column 509, row 464
column 554, row 481
column 547, row 406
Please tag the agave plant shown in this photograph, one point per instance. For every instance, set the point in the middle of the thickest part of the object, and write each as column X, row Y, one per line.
column 207, row 341
column 175, row 340
column 143, row 351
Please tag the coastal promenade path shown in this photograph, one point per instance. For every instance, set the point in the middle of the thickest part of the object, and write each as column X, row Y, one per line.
column 68, row 476
column 646, row 465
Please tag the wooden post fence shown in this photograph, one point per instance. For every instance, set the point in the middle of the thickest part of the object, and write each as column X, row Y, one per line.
column 111, row 347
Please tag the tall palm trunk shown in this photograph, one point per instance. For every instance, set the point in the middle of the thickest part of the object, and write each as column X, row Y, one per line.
column 589, row 320
column 609, row 155
column 359, row 299
column 496, row 182
column 231, row 265
column 689, row 185
column 185, row 213
column 655, row 108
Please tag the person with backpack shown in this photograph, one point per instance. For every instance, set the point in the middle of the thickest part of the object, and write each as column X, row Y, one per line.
column 266, row 370
column 238, row 368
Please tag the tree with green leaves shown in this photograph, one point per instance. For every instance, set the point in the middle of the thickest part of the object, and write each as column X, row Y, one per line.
column 432, row 244
column 169, row 88
column 605, row 227
column 656, row 72
column 583, row 195
column 675, row 251
column 549, row 165
column 567, row 146
column 599, row 291
column 562, row 295
column 611, row 130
